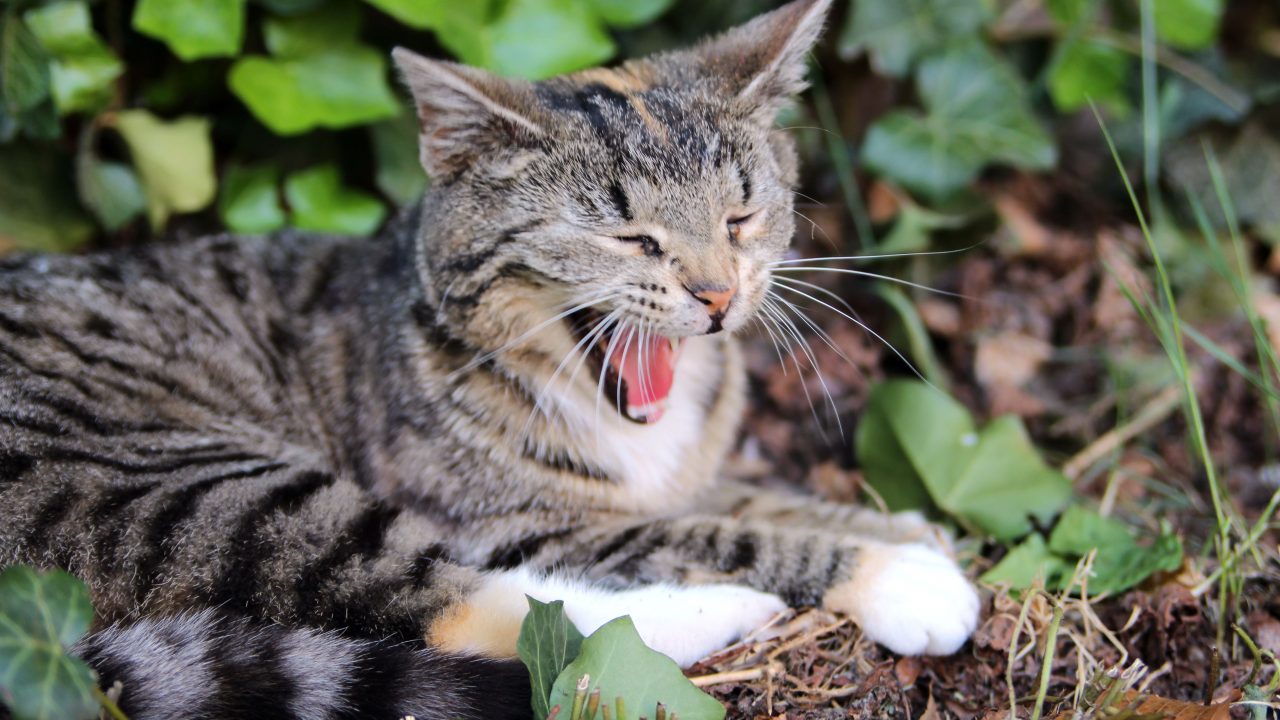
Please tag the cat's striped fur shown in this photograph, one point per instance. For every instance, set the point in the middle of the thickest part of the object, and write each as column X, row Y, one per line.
column 376, row 438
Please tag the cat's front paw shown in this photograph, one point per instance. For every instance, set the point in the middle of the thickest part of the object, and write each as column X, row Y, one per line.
column 689, row 623
column 910, row 598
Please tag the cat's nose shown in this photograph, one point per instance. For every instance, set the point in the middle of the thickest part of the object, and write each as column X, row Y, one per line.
column 716, row 297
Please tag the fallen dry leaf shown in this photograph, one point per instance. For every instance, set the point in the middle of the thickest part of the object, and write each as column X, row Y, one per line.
column 1004, row 363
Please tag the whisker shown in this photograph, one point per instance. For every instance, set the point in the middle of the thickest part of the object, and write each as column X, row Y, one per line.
column 540, row 398
column 785, row 326
column 863, row 273
column 531, row 332
column 819, row 288
column 819, row 331
column 864, row 326
column 885, row 256
column 813, row 360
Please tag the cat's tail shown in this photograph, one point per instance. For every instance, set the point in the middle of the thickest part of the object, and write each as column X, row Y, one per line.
column 216, row 666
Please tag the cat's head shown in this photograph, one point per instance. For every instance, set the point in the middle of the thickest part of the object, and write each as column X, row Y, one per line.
column 648, row 198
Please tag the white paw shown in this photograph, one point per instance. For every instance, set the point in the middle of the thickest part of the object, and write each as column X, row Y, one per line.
column 684, row 623
column 910, row 598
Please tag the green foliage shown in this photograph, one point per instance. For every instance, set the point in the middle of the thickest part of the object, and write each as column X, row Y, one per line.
column 615, row 663
column 36, row 207
column 81, row 67
column 1083, row 69
column 174, row 161
column 193, row 29
column 250, row 201
column 319, row 202
column 1188, row 24
column 899, row 33
column 619, row 665
column 41, row 615
column 921, row 449
column 976, row 113
column 1123, row 559
column 548, row 643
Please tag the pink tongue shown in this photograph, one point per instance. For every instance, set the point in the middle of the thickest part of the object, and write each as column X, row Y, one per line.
column 649, row 370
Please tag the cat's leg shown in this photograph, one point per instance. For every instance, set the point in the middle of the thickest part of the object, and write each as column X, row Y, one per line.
column 910, row 597
column 748, row 502
column 685, row 623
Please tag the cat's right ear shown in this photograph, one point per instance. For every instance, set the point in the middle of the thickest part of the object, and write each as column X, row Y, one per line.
column 463, row 112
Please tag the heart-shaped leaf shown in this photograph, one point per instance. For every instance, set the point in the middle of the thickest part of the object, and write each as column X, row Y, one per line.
column 921, row 449
column 110, row 190
column 174, row 160
column 536, row 39
column 341, row 86
column 976, row 114
column 1082, row 70
column 83, row 67
column 41, row 615
column 548, row 643
column 619, row 664
column 1122, row 560
column 313, row 32
column 1188, row 24
column 319, row 202
column 193, row 29
column 250, row 201
column 898, row 33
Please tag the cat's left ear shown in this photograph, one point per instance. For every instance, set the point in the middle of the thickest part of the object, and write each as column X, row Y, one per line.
column 764, row 61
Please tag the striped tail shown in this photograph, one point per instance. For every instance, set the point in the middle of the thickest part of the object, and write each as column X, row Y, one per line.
column 210, row 665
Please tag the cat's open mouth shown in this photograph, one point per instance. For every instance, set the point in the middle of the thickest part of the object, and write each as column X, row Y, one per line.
column 640, row 368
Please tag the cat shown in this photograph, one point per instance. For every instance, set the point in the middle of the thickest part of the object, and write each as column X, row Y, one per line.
column 316, row 477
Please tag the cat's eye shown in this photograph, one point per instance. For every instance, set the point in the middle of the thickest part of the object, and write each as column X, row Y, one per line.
column 647, row 244
column 736, row 225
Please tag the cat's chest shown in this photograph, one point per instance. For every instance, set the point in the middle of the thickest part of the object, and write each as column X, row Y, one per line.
column 659, row 463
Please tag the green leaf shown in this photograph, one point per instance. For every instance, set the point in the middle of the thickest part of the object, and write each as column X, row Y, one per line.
column 83, row 67
column 24, row 66
column 193, row 29
column 37, row 206
column 1029, row 560
column 535, row 39
column 1122, row 561
column 111, row 191
column 1084, row 69
column 336, row 23
column 920, row 448
column 548, row 643
column 1070, row 12
column 898, row 33
column 174, row 160
column 621, row 666
column 250, row 201
column 1188, row 24
column 395, row 148
column 291, row 7
column 41, row 615
column 343, row 86
column 460, row 26
column 630, row 13
column 319, row 202
column 976, row 114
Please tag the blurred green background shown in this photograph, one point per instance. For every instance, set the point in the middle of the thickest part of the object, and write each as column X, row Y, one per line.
column 120, row 119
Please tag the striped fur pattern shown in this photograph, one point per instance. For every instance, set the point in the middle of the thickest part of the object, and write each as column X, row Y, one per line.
column 352, row 446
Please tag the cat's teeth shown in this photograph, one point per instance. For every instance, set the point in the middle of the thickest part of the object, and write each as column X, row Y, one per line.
column 649, row 412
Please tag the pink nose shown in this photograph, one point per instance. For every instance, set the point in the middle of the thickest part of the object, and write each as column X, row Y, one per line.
column 716, row 297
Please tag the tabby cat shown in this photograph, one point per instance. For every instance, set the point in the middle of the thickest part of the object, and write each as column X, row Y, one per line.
column 315, row 477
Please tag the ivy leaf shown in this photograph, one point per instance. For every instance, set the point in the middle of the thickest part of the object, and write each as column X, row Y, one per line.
column 24, row 66
column 920, row 448
column 460, row 26
column 36, row 210
column 291, row 7
column 548, row 643
column 193, row 29
column 620, row 665
column 174, row 161
column 976, row 114
column 1027, row 561
column 399, row 173
column 319, row 202
column 1084, row 69
column 1122, row 561
column 535, row 39
column 898, row 33
column 339, row 87
column 110, row 190
column 83, row 67
column 41, row 615
column 312, row 32
column 630, row 13
column 1188, row 24
column 250, row 201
